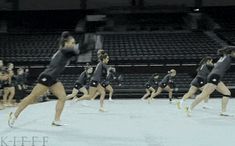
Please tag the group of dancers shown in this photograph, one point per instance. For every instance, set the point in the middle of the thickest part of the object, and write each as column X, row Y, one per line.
column 93, row 83
column 11, row 84
column 90, row 83
column 208, row 79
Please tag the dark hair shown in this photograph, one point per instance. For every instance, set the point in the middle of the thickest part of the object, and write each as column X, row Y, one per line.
column 87, row 66
column 103, row 56
column 204, row 60
column 226, row 50
column 100, row 52
column 65, row 36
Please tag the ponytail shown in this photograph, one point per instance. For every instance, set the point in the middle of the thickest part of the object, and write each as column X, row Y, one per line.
column 226, row 50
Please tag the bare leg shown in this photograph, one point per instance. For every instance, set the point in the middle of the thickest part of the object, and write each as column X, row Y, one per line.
column 192, row 90
column 109, row 88
column 170, row 91
column 74, row 93
column 225, row 91
column 154, row 94
column 37, row 91
column 208, row 89
column 96, row 95
column 146, row 94
column 58, row 90
column 85, row 95
column 102, row 96
column 12, row 94
column 92, row 91
column 5, row 95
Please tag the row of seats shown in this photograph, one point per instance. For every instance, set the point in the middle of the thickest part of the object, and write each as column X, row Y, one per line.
column 122, row 48
column 158, row 46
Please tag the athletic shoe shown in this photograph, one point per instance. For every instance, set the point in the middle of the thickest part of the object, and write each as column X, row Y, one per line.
column 110, row 99
column 188, row 111
column 11, row 119
column 102, row 109
column 225, row 114
column 57, row 123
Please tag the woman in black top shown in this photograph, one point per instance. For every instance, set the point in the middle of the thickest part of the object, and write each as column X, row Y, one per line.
column 99, row 74
column 47, row 80
column 151, row 85
column 19, row 84
column 214, row 80
column 167, row 83
column 9, row 86
column 198, row 83
column 106, row 83
column 81, row 84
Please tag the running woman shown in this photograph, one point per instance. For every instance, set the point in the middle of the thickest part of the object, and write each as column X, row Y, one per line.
column 151, row 85
column 99, row 75
column 198, row 83
column 48, row 78
column 9, row 86
column 106, row 83
column 167, row 83
column 82, row 84
column 214, row 81
column 19, row 85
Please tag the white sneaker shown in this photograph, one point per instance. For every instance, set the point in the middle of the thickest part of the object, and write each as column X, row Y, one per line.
column 102, row 109
column 110, row 99
column 58, row 123
column 11, row 119
column 188, row 111
column 225, row 114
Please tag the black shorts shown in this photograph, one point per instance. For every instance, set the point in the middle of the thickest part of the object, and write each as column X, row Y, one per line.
column 77, row 85
column 198, row 82
column 171, row 85
column 163, row 85
column 214, row 79
column 46, row 80
column 94, row 83
column 147, row 86
column 105, row 84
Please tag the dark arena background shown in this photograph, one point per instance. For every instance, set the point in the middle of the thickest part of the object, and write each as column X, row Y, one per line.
column 141, row 37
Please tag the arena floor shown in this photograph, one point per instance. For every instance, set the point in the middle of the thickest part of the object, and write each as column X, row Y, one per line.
column 126, row 123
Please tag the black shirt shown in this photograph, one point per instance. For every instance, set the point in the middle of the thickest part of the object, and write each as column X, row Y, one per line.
column 204, row 71
column 222, row 65
column 59, row 61
column 84, row 78
column 100, row 72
